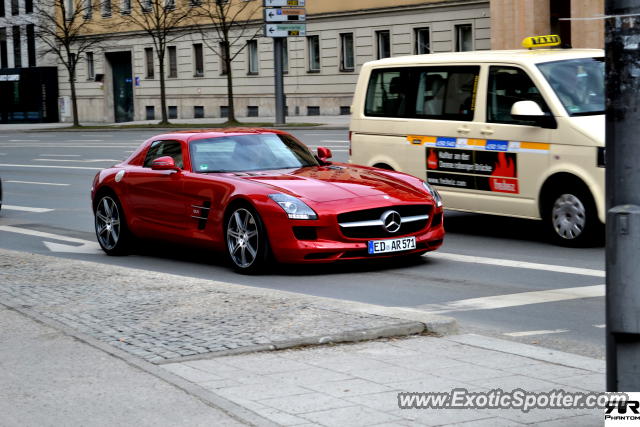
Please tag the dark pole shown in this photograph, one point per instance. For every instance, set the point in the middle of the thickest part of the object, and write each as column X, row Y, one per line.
column 278, row 72
column 622, row 37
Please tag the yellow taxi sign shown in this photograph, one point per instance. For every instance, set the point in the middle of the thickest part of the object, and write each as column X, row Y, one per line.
column 541, row 41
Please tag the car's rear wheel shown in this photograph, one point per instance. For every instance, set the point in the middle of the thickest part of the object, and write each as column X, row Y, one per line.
column 572, row 218
column 111, row 228
column 246, row 239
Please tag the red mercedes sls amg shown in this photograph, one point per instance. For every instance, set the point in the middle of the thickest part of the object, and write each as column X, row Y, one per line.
column 258, row 195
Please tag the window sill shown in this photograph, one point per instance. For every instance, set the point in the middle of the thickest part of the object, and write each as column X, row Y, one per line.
column 252, row 74
column 347, row 70
column 313, row 71
column 198, row 76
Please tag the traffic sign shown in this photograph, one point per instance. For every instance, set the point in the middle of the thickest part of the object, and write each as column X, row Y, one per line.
column 283, row 3
column 284, row 14
column 285, row 30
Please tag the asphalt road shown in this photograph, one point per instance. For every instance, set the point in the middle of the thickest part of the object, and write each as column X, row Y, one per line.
column 497, row 276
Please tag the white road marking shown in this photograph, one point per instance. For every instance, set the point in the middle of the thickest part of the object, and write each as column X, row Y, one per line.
column 38, row 183
column 25, row 209
column 541, row 332
column 86, row 246
column 77, row 160
column 600, row 326
column 3, row 154
column 518, row 264
column 336, row 141
column 61, row 155
column 24, row 140
column 7, row 165
column 85, row 140
column 515, row 300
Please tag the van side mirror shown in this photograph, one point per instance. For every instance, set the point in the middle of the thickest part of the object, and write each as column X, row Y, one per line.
column 530, row 111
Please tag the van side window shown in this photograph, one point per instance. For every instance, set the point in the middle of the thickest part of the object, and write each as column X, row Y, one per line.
column 164, row 148
column 441, row 93
column 508, row 85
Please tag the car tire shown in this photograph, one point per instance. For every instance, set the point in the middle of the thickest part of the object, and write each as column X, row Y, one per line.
column 110, row 225
column 572, row 218
column 246, row 240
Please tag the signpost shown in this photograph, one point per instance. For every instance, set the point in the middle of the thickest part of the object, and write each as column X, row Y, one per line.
column 282, row 18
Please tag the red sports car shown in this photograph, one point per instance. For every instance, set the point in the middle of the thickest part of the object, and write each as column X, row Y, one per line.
column 260, row 194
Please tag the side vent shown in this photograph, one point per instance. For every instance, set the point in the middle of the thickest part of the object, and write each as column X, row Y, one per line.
column 201, row 213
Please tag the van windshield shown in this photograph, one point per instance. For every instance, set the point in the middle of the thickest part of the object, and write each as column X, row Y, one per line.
column 579, row 84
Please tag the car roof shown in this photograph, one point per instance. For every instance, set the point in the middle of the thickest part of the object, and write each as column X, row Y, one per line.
column 194, row 134
column 520, row 56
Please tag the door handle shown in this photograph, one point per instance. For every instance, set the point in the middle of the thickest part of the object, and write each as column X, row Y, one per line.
column 463, row 129
column 487, row 131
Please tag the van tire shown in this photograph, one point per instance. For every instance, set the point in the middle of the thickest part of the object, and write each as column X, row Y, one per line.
column 571, row 217
column 383, row 166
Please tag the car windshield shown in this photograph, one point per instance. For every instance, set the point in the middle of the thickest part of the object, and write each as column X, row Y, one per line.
column 579, row 84
column 253, row 152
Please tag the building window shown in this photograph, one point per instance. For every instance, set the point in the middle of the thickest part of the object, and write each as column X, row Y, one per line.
column 198, row 112
column 106, row 8
column 383, row 41
column 313, row 110
column 91, row 72
column 252, row 52
column 423, row 43
column 148, row 57
column 28, row 6
column 464, row 38
column 252, row 111
column 198, row 60
column 223, row 59
column 169, row 4
column 224, row 111
column 345, row 110
column 1, row 8
column 88, row 9
column 346, row 52
column 31, row 45
column 173, row 111
column 126, row 7
column 173, row 62
column 15, row 7
column 151, row 112
column 313, row 47
column 146, row 5
column 17, row 54
column 3, row 48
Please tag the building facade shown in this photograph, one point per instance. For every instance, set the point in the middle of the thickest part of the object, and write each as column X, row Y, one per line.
column 119, row 81
column 28, row 79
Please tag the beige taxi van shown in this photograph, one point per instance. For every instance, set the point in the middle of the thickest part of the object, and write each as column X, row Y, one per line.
column 517, row 133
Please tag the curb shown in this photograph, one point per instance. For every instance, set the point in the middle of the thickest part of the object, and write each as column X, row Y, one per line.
column 167, row 130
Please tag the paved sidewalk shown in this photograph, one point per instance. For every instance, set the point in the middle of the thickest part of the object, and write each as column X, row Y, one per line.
column 85, row 343
column 319, row 122
column 358, row 384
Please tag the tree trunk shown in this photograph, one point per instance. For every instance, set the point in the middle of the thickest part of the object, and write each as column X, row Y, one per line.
column 231, row 107
column 163, row 94
column 74, row 99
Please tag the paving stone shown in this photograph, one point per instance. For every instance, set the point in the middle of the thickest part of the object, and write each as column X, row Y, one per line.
column 350, row 416
column 348, row 387
column 304, row 403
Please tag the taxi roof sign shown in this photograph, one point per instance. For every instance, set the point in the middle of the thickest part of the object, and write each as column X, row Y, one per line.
column 541, row 41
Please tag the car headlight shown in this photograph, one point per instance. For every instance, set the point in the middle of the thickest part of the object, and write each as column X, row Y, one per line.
column 434, row 193
column 295, row 208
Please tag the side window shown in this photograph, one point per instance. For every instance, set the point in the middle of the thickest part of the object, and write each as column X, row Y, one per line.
column 164, row 148
column 508, row 85
column 445, row 93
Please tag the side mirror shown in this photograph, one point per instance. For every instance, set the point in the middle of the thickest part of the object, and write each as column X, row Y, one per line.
column 324, row 154
column 165, row 163
column 530, row 111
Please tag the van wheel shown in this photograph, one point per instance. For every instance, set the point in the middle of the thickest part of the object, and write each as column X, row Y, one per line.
column 572, row 218
column 383, row 166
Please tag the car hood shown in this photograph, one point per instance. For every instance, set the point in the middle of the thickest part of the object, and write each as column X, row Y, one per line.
column 336, row 182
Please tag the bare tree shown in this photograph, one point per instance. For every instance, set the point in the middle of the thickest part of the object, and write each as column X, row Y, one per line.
column 231, row 21
column 163, row 22
column 62, row 26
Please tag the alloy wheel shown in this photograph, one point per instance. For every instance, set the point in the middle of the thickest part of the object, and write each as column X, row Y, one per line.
column 242, row 238
column 108, row 223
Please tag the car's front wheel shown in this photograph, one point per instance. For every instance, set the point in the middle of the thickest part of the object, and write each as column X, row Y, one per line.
column 111, row 228
column 572, row 218
column 246, row 240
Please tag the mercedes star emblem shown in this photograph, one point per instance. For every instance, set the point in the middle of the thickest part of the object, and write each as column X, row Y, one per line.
column 391, row 221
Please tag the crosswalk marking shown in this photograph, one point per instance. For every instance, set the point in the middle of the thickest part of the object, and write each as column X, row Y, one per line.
column 25, row 209
column 515, row 300
column 529, row 333
column 38, row 183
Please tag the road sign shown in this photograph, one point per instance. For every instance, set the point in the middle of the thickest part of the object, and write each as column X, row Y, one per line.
column 284, row 14
column 283, row 3
column 285, row 30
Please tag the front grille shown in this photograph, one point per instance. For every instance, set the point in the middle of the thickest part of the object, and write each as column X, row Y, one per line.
column 377, row 231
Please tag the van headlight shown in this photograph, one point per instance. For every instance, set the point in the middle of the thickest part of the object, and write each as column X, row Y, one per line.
column 294, row 207
column 434, row 193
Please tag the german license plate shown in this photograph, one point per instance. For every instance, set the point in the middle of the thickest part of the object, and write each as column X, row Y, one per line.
column 392, row 245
